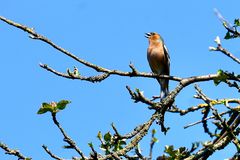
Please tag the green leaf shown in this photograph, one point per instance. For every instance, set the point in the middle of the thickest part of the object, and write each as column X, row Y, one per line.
column 216, row 82
column 107, row 137
column 181, row 149
column 45, row 108
column 122, row 142
column 102, row 147
column 119, row 145
column 62, row 104
column 90, row 144
column 237, row 22
column 154, row 131
column 228, row 35
column 177, row 154
column 154, row 139
column 169, row 150
column 99, row 135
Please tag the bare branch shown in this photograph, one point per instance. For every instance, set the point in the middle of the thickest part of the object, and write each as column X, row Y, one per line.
column 138, row 152
column 35, row 35
column 203, row 105
column 227, row 53
column 97, row 78
column 139, row 97
column 153, row 141
column 208, row 150
column 13, row 152
column 234, row 84
column 50, row 153
column 67, row 138
column 137, row 138
column 134, row 72
column 227, row 134
column 210, row 117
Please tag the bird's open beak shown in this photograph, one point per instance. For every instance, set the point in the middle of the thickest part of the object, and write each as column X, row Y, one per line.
column 147, row 35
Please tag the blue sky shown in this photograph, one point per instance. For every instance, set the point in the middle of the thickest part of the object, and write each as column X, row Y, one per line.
column 110, row 34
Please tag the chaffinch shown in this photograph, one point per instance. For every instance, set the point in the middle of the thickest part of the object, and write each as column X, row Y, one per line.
column 158, row 59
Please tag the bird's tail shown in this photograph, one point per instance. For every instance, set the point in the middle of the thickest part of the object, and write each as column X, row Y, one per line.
column 164, row 88
column 164, row 92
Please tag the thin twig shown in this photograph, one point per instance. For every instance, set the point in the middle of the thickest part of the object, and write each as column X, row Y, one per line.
column 94, row 153
column 93, row 79
column 152, row 142
column 226, row 135
column 227, row 53
column 50, row 153
column 209, row 149
column 210, row 117
column 234, row 84
column 13, row 152
column 137, row 138
column 138, row 152
column 67, row 138
column 203, row 105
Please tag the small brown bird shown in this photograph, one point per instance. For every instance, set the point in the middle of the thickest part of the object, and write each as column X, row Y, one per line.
column 159, row 60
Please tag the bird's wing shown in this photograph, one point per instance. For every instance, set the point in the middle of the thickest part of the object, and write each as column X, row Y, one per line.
column 168, row 57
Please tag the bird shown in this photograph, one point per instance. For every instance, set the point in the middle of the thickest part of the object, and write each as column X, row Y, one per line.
column 159, row 60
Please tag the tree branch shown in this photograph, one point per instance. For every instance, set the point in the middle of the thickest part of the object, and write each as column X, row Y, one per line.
column 227, row 53
column 35, row 35
column 93, row 79
column 137, row 138
column 13, row 152
column 227, row 134
column 67, row 138
column 50, row 153
column 203, row 105
column 210, row 117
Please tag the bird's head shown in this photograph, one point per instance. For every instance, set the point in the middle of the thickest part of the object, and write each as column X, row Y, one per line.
column 153, row 37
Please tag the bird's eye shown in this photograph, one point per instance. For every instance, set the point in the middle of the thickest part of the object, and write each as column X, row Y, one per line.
column 153, row 33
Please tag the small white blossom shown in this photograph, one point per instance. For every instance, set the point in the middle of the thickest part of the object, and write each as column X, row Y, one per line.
column 217, row 40
column 212, row 48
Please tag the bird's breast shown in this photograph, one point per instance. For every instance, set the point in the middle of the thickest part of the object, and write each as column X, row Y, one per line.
column 156, row 59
